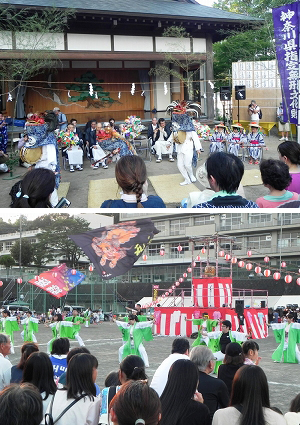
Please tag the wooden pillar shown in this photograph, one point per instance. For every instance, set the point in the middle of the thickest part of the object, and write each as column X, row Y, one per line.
column 209, row 76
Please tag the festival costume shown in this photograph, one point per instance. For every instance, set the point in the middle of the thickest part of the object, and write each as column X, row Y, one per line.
column 30, row 325
column 3, row 136
column 234, row 141
column 287, row 335
column 223, row 199
column 9, row 325
column 204, row 325
column 111, row 140
column 134, row 335
column 59, row 329
column 73, row 332
column 163, row 144
column 59, row 363
column 70, row 144
column 255, row 142
column 217, row 141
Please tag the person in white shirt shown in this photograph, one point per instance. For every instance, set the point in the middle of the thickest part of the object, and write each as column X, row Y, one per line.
column 163, row 144
column 253, row 111
column 5, row 364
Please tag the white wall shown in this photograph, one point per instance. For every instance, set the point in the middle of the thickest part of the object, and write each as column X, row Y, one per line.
column 40, row 41
column 98, row 42
column 129, row 43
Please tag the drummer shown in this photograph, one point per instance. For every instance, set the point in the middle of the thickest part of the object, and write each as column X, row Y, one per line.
column 71, row 148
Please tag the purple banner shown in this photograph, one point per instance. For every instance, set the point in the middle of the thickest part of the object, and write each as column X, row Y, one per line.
column 286, row 30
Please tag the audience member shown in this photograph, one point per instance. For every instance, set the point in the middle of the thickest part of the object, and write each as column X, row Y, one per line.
column 17, row 371
column 112, row 124
column 275, row 176
column 250, row 349
column 214, row 391
column 233, row 360
column 283, row 127
column 71, row 148
column 253, row 111
column 289, row 153
column 5, row 364
column 112, row 379
column 162, row 143
column 61, row 118
column 77, row 350
column 293, row 416
column 58, row 357
column 90, row 135
column 181, row 403
column 224, row 173
column 152, row 127
column 131, row 176
column 77, row 129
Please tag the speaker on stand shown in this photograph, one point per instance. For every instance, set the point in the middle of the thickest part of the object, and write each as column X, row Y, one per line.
column 239, row 309
column 240, row 94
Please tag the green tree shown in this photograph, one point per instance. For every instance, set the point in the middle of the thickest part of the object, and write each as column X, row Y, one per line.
column 7, row 261
column 26, row 252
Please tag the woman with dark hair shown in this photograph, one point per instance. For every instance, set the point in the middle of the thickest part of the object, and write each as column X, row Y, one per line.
column 131, row 176
column 58, row 358
column 38, row 371
column 136, row 403
column 80, row 387
column 17, row 371
column 250, row 402
column 56, row 330
column 35, row 189
column 276, row 177
column 293, row 416
column 233, row 360
column 289, row 153
column 181, row 403
column 20, row 405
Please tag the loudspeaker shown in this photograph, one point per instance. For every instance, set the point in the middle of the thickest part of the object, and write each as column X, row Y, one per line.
column 239, row 307
column 263, row 304
column 225, row 93
column 240, row 92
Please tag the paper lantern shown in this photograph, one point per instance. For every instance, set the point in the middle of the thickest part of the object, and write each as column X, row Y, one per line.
column 298, row 270
column 267, row 273
column 276, row 275
column 283, row 264
column 179, row 248
column 189, row 270
column 298, row 281
column 173, row 287
column 19, row 280
column 1, row 283
column 177, row 283
column 198, row 258
column 266, row 259
column 203, row 251
column 241, row 263
column 288, row 278
column 249, row 266
column 91, row 267
column 257, row 269
column 145, row 257
column 249, row 253
column 170, row 291
column 184, row 275
column 234, row 260
column 221, row 253
column 227, row 257
column 162, row 252
column 163, row 296
column 166, row 293
column 36, row 278
column 73, row 272
column 181, row 279
column 194, row 264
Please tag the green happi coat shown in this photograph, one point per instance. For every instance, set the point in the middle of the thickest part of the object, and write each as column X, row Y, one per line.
column 140, row 331
column 72, row 331
column 9, row 325
column 60, row 330
column 290, row 350
column 31, row 325
column 200, row 340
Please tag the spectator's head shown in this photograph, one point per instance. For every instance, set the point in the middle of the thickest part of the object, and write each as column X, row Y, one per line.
column 112, row 379
column 224, row 172
column 131, row 175
column 112, row 122
column 60, row 346
column 99, row 126
column 21, row 405
column 181, row 346
column 27, row 349
column 135, row 404
column 38, row 370
column 154, row 120
column 93, row 124
column 132, row 367
column 295, row 404
column 161, row 122
column 6, row 313
column 81, row 375
column 275, row 174
column 203, row 358
column 226, row 326
column 28, row 313
column 289, row 152
column 77, row 350
column 57, row 317
column 250, row 349
column 56, row 110
column 5, row 345
column 233, row 354
column 290, row 317
column 35, row 189
column 70, row 127
column 74, row 122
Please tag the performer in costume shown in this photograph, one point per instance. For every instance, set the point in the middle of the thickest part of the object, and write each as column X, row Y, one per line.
column 236, row 139
column 73, row 333
column 30, row 325
column 109, row 140
column 9, row 325
column 255, row 141
column 287, row 335
column 133, row 334
column 204, row 325
column 71, row 147
column 218, row 139
column 60, row 329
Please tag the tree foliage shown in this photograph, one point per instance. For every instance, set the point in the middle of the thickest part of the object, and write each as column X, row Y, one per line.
column 7, row 261
column 26, row 252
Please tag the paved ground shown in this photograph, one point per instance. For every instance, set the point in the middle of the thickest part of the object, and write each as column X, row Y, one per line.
column 78, row 192
column 104, row 341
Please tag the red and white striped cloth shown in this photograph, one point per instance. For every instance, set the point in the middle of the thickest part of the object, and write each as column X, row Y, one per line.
column 212, row 292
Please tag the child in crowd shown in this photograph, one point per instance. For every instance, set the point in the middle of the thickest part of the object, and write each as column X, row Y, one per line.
column 236, row 139
column 255, row 142
column 218, row 139
column 250, row 350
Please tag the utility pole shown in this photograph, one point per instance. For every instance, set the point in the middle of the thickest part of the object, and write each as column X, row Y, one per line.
column 20, row 245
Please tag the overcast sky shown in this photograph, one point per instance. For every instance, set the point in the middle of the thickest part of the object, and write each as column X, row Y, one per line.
column 206, row 2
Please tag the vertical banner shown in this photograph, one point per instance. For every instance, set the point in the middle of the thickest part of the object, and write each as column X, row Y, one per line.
column 286, row 31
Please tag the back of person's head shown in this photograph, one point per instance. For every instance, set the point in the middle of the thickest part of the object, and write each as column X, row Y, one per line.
column 226, row 323
column 275, row 173
column 133, row 367
column 201, row 356
column 290, row 316
column 80, row 373
column 135, row 403
column 38, row 370
column 233, row 354
column 250, row 389
column 180, row 345
column 27, row 349
column 20, row 405
column 60, row 346
column 227, row 169
column 249, row 345
column 77, row 350
column 291, row 150
column 180, row 388
column 35, row 189
column 112, row 379
column 131, row 174
column 295, row 404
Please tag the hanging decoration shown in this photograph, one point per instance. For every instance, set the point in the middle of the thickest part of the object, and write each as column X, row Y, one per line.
column 177, row 283
column 165, row 88
column 249, row 266
column 181, row 279
column 132, row 91
column 198, row 258
column 241, row 263
column 227, row 257
column 91, row 89
column 179, row 248
column 288, row 278
column 19, row 280
column 283, row 264
column 189, row 270
column 266, row 259
column 203, row 251
column 234, row 260
column 162, row 252
column 276, row 275
column 1, row 283
column 257, row 269
column 221, row 253
column 184, row 275
column 73, row 272
column 91, row 267
column 267, row 273
column 249, row 253
column 145, row 257
column 298, row 281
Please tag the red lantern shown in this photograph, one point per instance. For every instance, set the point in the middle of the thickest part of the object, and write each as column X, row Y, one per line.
column 257, row 269
column 173, row 287
column 194, row 264
column 163, row 296
column 181, row 279
column 276, row 275
column 249, row 266
column 198, row 258
column 162, row 252
column 267, row 273
column 221, row 253
column 283, row 264
column 170, row 291
column 298, row 281
column 91, row 267
column 203, row 251
column 227, row 257
column 249, row 253
column 177, row 283
column 179, row 248
column 241, row 263
column 288, row 278
column 234, row 260
column 189, row 270
column 266, row 259
column 19, row 280
column 145, row 257
column 73, row 272
column 184, row 275
column 166, row 293
column 36, row 278
column 1, row 283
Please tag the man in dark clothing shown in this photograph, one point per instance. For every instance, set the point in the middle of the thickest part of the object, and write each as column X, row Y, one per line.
column 90, row 135
column 213, row 390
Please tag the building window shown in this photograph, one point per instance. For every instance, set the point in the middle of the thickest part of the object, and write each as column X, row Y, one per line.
column 161, row 226
column 260, row 241
column 154, row 249
column 1, row 246
column 203, row 219
column 8, row 245
column 259, row 218
column 33, row 241
column 231, row 221
column 174, row 253
column 177, row 227
column 289, row 240
column 288, row 218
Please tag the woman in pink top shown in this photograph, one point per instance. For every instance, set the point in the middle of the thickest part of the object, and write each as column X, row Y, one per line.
column 289, row 153
column 276, row 177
